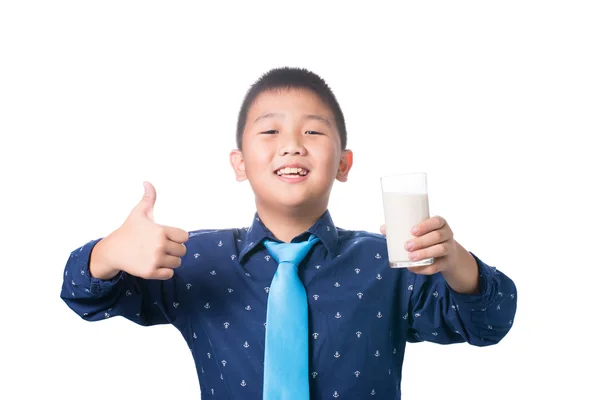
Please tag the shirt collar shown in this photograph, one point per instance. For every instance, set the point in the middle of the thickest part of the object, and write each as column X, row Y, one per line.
column 323, row 228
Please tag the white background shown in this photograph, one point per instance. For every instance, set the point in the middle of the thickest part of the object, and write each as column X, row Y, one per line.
column 499, row 102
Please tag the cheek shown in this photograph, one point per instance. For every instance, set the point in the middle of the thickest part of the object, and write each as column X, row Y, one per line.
column 257, row 163
column 331, row 159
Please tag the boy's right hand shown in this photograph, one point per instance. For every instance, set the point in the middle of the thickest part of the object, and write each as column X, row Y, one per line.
column 140, row 246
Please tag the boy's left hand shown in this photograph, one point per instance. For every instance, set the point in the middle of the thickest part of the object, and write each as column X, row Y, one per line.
column 432, row 238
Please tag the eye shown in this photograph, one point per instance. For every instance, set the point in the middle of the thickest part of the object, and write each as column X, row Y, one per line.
column 313, row 133
column 271, row 132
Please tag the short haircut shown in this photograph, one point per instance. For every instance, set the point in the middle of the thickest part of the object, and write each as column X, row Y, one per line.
column 291, row 78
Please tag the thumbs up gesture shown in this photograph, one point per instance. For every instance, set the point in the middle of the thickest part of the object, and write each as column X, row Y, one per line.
column 140, row 247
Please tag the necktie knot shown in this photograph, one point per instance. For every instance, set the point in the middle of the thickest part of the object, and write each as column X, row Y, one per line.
column 290, row 252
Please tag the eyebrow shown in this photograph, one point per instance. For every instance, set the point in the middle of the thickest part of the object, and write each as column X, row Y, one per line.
column 316, row 117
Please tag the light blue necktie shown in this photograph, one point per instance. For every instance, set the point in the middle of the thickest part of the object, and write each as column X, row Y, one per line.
column 286, row 338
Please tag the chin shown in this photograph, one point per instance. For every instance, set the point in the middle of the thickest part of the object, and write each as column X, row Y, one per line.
column 295, row 204
column 291, row 203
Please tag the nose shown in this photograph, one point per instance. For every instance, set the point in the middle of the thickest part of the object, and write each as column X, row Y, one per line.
column 291, row 145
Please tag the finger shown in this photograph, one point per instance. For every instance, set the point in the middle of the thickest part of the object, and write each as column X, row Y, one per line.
column 146, row 205
column 167, row 261
column 429, row 239
column 382, row 229
column 435, row 251
column 163, row 274
column 430, row 224
column 426, row 269
column 175, row 249
column 176, row 234
column 431, row 269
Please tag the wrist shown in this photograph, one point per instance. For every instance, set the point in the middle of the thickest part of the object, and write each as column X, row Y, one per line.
column 100, row 267
column 463, row 275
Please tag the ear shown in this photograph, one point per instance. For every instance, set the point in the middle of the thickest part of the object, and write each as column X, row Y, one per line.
column 345, row 165
column 236, row 159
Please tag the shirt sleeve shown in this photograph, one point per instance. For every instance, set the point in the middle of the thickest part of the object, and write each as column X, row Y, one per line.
column 145, row 302
column 439, row 314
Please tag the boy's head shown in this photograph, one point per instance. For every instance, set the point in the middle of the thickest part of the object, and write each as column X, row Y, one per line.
column 291, row 141
column 291, row 78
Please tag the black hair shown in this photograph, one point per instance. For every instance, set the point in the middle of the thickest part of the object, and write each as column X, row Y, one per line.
column 291, row 78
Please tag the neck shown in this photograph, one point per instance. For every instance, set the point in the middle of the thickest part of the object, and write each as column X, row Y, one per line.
column 288, row 224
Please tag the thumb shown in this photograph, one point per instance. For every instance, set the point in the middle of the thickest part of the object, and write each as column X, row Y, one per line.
column 146, row 205
column 382, row 229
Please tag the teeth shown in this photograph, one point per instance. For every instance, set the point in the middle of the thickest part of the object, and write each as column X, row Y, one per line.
column 292, row 171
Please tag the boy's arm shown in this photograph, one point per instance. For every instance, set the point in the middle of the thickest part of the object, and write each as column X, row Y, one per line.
column 145, row 302
column 132, row 274
column 458, row 298
column 440, row 314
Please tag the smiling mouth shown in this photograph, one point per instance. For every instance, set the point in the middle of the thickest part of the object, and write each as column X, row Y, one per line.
column 291, row 172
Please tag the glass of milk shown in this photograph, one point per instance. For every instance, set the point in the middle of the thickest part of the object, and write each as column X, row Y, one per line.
column 405, row 204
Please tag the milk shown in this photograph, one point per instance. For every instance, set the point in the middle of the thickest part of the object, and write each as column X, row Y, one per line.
column 402, row 211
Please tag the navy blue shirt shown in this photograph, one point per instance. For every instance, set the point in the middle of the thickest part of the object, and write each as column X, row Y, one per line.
column 361, row 312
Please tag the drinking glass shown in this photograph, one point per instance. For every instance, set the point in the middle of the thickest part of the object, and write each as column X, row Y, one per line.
column 405, row 204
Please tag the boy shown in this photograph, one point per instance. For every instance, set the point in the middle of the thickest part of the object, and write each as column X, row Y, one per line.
column 340, row 328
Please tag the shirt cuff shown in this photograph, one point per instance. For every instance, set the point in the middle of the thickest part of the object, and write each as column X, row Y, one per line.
column 488, row 286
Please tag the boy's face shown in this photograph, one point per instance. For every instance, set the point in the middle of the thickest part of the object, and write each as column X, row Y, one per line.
column 291, row 128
